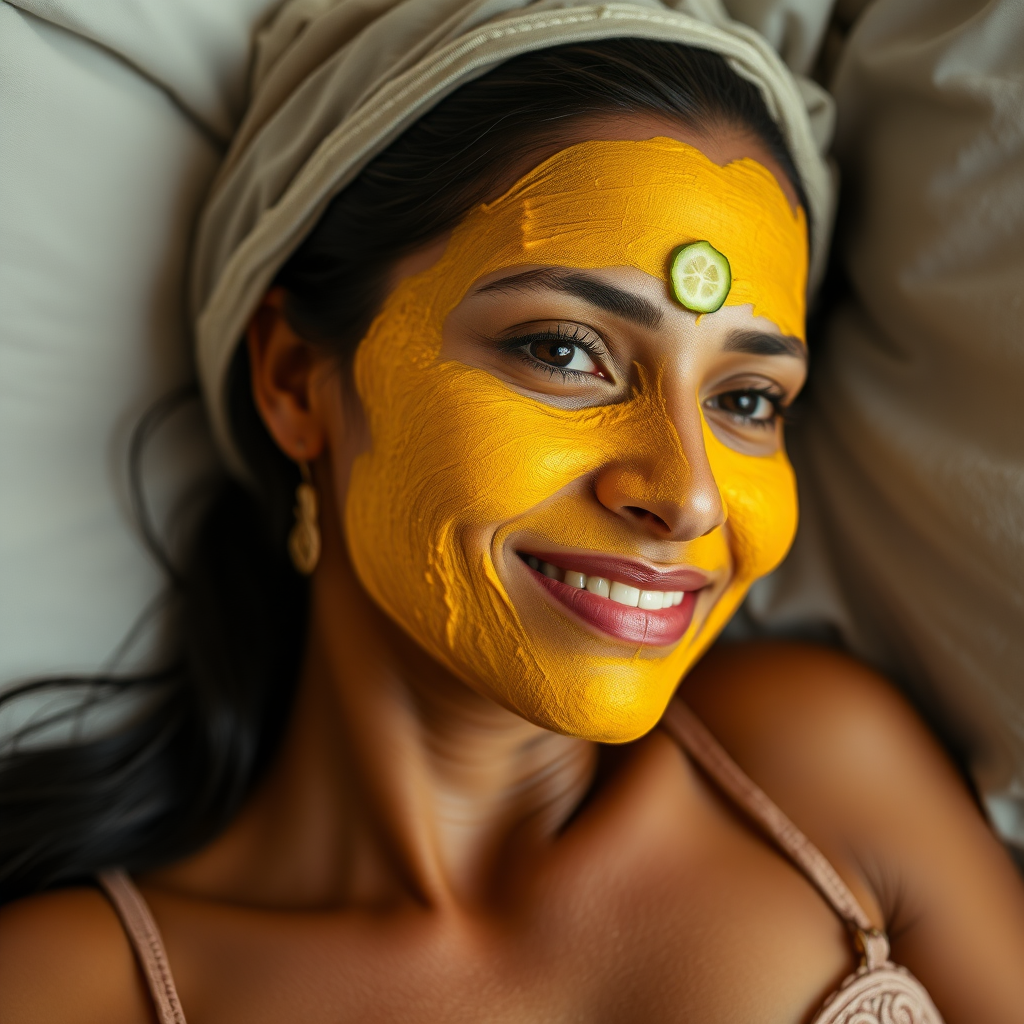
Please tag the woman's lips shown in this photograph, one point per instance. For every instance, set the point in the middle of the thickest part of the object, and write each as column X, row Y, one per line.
column 633, row 583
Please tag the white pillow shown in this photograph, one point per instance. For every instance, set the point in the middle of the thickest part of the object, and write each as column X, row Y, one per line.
column 112, row 124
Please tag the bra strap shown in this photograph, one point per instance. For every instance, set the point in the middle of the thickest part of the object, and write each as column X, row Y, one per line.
column 692, row 735
column 145, row 939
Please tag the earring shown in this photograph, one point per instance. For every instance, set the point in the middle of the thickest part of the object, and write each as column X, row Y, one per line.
column 304, row 539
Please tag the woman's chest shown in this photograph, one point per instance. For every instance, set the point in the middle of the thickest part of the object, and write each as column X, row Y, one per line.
column 736, row 936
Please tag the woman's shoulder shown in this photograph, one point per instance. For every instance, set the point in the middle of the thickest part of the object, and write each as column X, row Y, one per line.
column 768, row 697
column 844, row 755
column 847, row 758
column 64, row 957
column 814, row 726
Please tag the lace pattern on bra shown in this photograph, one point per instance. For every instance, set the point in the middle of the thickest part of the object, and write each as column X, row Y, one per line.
column 888, row 994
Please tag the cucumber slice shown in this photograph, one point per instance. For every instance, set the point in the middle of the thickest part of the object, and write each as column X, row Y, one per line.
column 701, row 277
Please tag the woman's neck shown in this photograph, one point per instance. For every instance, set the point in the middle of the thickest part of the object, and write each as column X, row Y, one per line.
column 394, row 782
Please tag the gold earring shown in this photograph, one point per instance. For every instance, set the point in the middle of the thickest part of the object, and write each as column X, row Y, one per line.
column 304, row 539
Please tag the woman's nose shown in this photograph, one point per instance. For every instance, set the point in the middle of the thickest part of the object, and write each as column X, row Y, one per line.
column 668, row 490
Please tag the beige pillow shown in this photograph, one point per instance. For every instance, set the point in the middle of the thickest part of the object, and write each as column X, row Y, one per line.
column 911, row 455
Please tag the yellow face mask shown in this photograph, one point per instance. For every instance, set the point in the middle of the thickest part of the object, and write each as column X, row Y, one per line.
column 459, row 464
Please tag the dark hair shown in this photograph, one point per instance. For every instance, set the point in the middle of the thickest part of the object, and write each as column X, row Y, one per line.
column 175, row 774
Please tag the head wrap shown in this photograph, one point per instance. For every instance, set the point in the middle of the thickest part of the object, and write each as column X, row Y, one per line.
column 336, row 81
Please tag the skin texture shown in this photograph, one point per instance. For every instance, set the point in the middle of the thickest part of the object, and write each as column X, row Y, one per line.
column 419, row 852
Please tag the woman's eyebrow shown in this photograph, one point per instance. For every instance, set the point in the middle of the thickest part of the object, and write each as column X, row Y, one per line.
column 760, row 343
column 634, row 308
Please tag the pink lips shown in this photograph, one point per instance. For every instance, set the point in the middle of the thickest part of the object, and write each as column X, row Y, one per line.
column 633, row 625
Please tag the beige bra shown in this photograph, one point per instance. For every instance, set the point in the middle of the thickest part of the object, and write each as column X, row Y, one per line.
column 878, row 992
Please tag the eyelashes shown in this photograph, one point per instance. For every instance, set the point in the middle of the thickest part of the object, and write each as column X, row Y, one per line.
column 554, row 351
column 742, row 405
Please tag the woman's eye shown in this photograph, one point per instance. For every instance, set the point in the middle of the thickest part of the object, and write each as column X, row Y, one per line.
column 570, row 351
column 562, row 354
column 750, row 406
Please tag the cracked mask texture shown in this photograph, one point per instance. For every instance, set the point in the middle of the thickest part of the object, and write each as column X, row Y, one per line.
column 459, row 462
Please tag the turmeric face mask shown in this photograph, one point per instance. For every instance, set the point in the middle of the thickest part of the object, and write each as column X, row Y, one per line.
column 461, row 466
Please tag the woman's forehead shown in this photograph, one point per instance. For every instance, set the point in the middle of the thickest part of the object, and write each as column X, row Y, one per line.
column 636, row 203
column 721, row 143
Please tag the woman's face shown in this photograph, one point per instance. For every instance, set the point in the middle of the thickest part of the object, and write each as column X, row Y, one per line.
column 571, row 479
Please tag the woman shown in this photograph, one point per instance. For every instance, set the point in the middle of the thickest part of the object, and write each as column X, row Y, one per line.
column 525, row 379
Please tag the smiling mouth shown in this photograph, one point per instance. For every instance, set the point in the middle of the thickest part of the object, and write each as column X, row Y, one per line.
column 636, row 607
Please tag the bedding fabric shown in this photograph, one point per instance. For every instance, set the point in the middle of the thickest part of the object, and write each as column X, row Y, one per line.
column 910, row 454
column 114, row 118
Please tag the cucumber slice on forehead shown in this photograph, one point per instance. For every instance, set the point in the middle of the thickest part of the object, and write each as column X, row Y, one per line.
column 700, row 276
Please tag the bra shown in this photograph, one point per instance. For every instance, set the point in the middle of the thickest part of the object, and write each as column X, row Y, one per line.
column 878, row 992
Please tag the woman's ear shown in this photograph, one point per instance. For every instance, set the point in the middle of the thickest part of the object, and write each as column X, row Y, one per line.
column 283, row 369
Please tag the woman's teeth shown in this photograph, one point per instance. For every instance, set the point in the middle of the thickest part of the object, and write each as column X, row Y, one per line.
column 620, row 593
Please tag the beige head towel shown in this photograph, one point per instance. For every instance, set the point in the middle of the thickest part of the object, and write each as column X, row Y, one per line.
column 335, row 81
